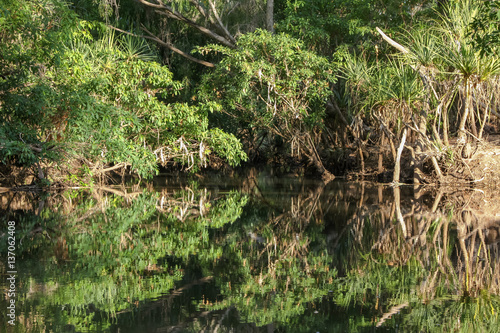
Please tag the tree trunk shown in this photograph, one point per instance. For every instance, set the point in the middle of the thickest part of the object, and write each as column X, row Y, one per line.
column 445, row 126
column 462, row 136
column 270, row 16
column 397, row 165
column 381, row 154
column 418, row 172
column 314, row 157
column 483, row 122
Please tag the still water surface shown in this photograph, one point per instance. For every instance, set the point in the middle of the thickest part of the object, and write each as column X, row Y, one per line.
column 254, row 253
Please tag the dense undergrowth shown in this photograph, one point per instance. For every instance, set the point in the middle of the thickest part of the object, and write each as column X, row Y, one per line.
column 323, row 86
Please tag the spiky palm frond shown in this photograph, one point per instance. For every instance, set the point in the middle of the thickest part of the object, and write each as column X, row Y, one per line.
column 395, row 83
column 357, row 74
column 107, row 42
column 489, row 67
column 378, row 87
column 355, row 70
column 458, row 17
column 133, row 47
column 461, row 59
column 423, row 46
column 406, row 86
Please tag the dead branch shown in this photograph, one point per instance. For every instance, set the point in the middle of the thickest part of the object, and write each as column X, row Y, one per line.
column 118, row 166
column 167, row 45
column 392, row 42
column 219, row 21
column 118, row 192
column 392, row 311
column 170, row 12
column 397, row 165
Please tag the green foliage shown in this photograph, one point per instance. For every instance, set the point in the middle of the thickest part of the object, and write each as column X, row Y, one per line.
column 272, row 83
column 459, row 53
column 311, row 21
column 485, row 30
column 324, row 25
column 145, row 128
column 424, row 46
column 99, row 100
column 31, row 37
column 384, row 87
column 438, row 64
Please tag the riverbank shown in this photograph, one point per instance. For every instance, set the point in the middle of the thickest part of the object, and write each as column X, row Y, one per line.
column 483, row 167
column 480, row 170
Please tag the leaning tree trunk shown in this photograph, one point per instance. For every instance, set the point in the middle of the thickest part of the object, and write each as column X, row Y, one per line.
column 314, row 157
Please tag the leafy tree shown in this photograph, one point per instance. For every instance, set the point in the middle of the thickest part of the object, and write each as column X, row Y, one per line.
column 325, row 25
column 137, row 90
column 32, row 35
column 485, row 29
column 272, row 83
column 97, row 101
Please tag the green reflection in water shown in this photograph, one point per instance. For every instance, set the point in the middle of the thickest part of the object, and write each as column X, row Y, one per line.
column 257, row 255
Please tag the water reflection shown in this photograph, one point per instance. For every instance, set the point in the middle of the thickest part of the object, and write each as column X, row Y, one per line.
column 254, row 253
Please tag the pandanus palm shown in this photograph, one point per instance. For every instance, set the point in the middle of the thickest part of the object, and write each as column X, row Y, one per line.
column 464, row 63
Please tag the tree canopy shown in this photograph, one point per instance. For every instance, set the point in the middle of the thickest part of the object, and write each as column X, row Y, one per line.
column 89, row 88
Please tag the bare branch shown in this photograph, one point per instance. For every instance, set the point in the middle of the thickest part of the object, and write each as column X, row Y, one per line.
column 392, row 42
column 117, row 166
column 216, row 15
column 397, row 164
column 170, row 12
column 200, row 7
column 168, row 45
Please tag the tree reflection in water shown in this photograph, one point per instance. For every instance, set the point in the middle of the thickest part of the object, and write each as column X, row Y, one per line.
column 261, row 254
column 433, row 261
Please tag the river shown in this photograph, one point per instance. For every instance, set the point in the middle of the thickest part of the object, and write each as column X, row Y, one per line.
column 249, row 252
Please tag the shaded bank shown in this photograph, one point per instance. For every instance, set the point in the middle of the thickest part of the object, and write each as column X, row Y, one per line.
column 480, row 170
